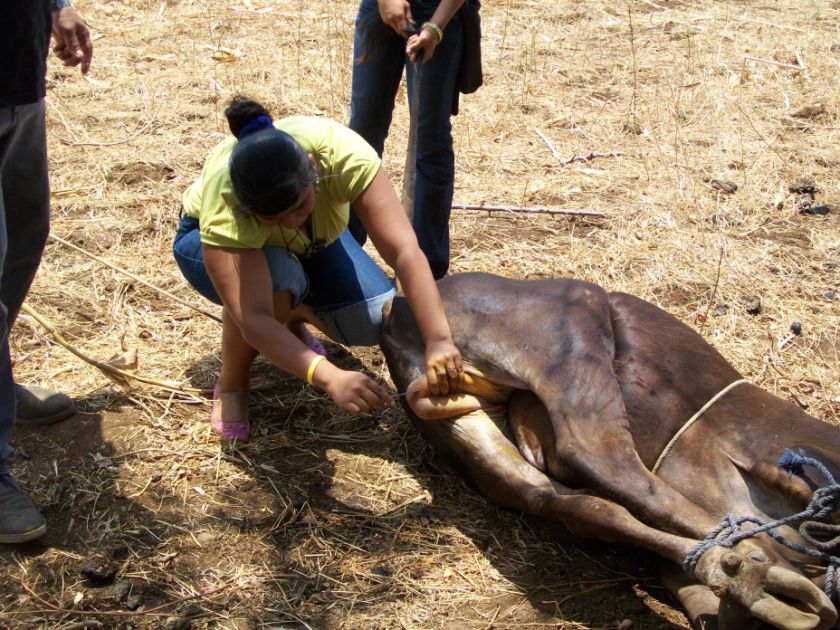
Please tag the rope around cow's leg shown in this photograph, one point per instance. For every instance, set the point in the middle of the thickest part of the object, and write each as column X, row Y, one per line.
column 824, row 502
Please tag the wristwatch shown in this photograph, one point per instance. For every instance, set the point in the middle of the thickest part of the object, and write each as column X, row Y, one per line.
column 55, row 5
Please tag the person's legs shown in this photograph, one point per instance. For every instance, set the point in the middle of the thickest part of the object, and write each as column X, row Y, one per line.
column 229, row 414
column 20, row 520
column 7, row 391
column 296, row 323
column 348, row 291
column 188, row 255
column 435, row 181
column 26, row 196
column 27, row 200
column 237, row 357
column 374, row 89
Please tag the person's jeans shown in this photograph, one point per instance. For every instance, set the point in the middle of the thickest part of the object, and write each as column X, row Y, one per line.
column 24, row 227
column 374, row 90
column 342, row 284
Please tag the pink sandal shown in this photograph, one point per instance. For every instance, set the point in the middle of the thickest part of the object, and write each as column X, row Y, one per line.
column 237, row 430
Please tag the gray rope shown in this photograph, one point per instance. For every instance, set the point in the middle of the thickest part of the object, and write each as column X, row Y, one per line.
column 811, row 521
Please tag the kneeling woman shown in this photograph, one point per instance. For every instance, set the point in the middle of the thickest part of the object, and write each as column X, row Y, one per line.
column 264, row 234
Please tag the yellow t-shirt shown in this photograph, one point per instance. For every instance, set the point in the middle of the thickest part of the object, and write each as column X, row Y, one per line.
column 346, row 166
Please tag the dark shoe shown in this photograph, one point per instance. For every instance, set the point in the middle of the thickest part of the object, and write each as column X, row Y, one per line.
column 20, row 520
column 36, row 406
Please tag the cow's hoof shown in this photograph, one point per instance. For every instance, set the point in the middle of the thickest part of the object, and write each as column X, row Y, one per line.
column 745, row 578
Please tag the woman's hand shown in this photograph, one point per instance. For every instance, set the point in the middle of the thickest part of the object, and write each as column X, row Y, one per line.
column 425, row 41
column 352, row 391
column 381, row 213
column 396, row 14
column 444, row 369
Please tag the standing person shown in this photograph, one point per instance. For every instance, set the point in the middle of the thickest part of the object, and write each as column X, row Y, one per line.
column 264, row 234
column 25, row 216
column 379, row 60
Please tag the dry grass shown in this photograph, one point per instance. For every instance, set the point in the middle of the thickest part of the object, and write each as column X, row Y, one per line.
column 328, row 520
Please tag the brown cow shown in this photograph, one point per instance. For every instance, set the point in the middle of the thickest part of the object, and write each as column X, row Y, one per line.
column 572, row 396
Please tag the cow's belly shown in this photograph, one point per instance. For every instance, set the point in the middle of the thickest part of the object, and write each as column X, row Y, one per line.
column 532, row 432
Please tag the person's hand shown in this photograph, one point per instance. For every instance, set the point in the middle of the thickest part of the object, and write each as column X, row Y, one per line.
column 425, row 41
column 72, row 38
column 356, row 392
column 396, row 14
column 444, row 369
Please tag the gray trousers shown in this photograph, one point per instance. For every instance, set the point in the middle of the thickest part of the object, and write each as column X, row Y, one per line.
column 24, row 227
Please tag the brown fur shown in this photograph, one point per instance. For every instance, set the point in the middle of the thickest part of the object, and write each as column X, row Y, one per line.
column 599, row 383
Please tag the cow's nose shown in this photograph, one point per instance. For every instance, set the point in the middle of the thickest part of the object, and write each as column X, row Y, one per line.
column 730, row 563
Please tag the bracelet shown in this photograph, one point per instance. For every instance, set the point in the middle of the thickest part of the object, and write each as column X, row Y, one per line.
column 435, row 28
column 311, row 371
column 55, row 5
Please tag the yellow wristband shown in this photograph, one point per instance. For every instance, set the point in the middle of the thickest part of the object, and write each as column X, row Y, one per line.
column 311, row 371
column 435, row 28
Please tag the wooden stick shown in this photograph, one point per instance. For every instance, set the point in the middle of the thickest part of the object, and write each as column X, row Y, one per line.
column 520, row 210
column 775, row 63
column 115, row 374
column 547, row 142
column 772, row 24
column 705, row 316
column 134, row 277
column 125, row 140
column 588, row 158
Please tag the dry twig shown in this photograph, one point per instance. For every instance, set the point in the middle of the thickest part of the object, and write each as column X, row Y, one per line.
column 524, row 210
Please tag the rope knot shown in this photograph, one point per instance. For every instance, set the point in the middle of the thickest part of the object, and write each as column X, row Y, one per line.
column 822, row 537
column 793, row 462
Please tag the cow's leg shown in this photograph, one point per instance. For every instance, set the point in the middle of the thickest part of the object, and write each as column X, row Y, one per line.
column 750, row 580
column 470, row 425
column 742, row 576
column 704, row 609
column 700, row 604
column 494, row 465
column 578, row 386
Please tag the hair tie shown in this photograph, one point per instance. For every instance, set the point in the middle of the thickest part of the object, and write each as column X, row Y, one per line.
column 254, row 125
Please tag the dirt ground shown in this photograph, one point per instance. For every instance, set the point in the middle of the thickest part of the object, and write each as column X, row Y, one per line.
column 706, row 133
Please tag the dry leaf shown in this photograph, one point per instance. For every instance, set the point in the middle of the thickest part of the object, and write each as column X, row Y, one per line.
column 810, row 111
column 226, row 55
column 124, row 360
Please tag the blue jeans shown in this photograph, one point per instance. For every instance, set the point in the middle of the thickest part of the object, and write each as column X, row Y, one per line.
column 24, row 227
column 341, row 282
column 374, row 90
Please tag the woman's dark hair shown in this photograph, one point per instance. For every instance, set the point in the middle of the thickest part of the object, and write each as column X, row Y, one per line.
column 268, row 168
column 241, row 110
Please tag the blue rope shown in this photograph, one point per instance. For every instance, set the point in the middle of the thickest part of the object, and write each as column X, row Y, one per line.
column 824, row 502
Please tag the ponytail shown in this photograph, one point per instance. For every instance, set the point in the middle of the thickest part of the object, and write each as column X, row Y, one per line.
column 268, row 168
column 246, row 116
